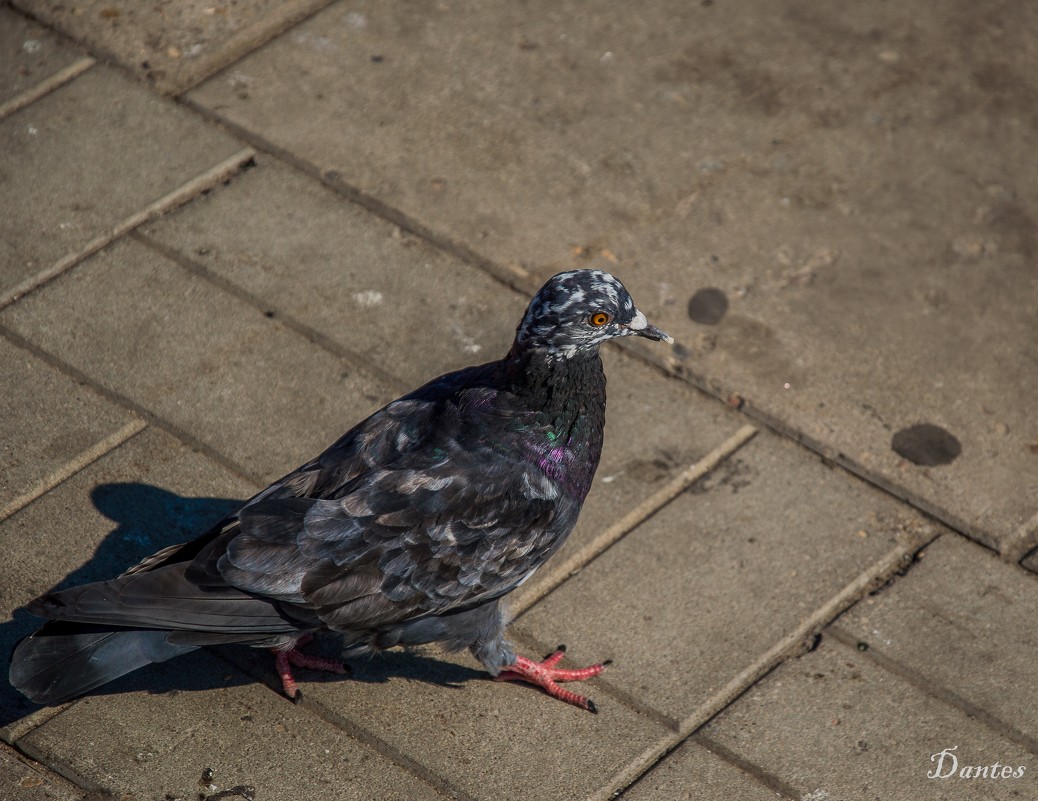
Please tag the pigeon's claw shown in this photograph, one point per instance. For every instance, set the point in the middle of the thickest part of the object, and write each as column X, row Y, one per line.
column 545, row 675
column 285, row 659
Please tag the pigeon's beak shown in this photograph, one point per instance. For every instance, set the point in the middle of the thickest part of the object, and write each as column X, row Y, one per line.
column 640, row 326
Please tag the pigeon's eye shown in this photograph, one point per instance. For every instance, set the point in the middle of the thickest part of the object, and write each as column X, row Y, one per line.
column 598, row 319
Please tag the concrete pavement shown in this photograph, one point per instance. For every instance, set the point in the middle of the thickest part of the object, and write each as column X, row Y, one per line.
column 229, row 232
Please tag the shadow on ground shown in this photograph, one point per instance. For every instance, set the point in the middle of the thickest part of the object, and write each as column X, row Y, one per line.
column 147, row 519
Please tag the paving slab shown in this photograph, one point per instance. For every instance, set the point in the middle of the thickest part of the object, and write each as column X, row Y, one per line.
column 22, row 782
column 948, row 621
column 593, row 122
column 146, row 743
column 150, row 492
column 144, row 327
column 801, row 172
column 580, row 119
column 489, row 740
column 48, row 420
column 171, row 45
column 698, row 592
column 29, row 54
column 305, row 251
column 873, row 303
column 832, row 724
column 692, row 772
column 86, row 157
column 585, row 122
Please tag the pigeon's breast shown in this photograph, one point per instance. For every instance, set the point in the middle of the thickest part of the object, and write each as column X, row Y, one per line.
column 568, row 467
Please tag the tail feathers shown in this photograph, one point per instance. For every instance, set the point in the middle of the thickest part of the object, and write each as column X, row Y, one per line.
column 65, row 660
column 165, row 599
column 98, row 632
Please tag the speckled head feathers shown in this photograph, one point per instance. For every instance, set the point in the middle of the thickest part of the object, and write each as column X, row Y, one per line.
column 576, row 311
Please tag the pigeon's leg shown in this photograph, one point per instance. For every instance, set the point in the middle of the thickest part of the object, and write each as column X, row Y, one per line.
column 544, row 674
column 285, row 658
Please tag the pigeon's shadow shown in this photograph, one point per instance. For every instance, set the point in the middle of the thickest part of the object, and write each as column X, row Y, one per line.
column 413, row 665
column 147, row 519
column 379, row 668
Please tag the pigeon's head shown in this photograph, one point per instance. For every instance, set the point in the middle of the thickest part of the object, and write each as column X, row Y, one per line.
column 577, row 311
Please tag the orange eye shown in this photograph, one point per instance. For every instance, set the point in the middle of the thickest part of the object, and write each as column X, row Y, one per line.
column 598, row 319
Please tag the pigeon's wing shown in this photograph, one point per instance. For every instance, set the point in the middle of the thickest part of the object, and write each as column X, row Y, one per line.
column 426, row 510
column 405, row 426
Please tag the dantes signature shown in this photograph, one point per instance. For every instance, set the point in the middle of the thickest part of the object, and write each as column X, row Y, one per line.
column 948, row 767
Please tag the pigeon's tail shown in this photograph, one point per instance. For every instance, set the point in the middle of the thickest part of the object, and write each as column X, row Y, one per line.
column 101, row 631
column 63, row 660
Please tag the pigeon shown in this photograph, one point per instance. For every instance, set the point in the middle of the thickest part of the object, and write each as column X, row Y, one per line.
column 410, row 529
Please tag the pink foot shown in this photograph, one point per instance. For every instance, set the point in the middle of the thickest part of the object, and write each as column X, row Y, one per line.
column 285, row 659
column 545, row 675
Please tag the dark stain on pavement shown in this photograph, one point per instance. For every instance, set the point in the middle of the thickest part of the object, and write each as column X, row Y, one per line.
column 708, row 306
column 926, row 444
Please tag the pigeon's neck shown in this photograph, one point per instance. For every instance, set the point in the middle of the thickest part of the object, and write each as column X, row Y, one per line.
column 561, row 387
column 569, row 396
